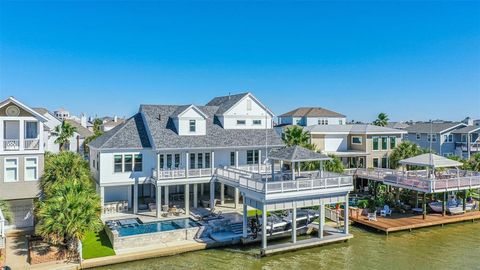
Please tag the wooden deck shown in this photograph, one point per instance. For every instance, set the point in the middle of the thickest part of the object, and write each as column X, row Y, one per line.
column 402, row 222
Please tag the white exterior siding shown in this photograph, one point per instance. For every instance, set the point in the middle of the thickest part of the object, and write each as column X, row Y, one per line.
column 334, row 143
column 182, row 123
column 246, row 110
column 107, row 176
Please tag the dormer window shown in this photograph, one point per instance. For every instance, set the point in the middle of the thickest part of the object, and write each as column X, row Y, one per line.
column 241, row 122
column 193, row 125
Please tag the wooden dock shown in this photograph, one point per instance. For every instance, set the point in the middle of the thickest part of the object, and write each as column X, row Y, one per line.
column 402, row 222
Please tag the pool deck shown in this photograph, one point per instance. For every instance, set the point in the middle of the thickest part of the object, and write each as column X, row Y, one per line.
column 403, row 222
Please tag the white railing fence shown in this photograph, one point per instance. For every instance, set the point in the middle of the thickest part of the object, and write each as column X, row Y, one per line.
column 32, row 144
column 180, row 173
column 9, row 144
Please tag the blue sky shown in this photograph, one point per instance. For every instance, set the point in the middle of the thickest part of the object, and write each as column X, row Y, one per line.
column 414, row 60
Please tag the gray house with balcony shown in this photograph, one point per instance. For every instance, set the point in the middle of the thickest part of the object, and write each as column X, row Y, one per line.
column 440, row 136
column 21, row 159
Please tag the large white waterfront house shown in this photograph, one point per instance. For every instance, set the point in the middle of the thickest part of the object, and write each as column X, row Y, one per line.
column 163, row 149
column 182, row 156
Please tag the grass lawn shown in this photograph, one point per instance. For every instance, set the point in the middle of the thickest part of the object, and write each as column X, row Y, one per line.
column 251, row 213
column 97, row 245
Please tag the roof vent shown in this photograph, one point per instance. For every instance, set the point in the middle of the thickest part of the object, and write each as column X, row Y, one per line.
column 160, row 117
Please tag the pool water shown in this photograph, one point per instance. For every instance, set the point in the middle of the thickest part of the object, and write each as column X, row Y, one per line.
column 152, row 227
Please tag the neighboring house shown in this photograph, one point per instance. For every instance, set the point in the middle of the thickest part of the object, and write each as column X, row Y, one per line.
column 357, row 145
column 397, row 125
column 21, row 159
column 163, row 149
column 108, row 123
column 467, row 141
column 61, row 114
column 309, row 116
column 439, row 136
column 76, row 141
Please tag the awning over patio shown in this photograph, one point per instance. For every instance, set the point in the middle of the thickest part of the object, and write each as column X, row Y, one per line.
column 430, row 160
column 296, row 154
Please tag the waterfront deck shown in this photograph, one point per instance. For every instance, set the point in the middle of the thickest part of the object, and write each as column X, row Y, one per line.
column 402, row 222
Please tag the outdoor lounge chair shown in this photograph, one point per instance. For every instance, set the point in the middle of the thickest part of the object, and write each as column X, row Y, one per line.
column 386, row 211
column 372, row 216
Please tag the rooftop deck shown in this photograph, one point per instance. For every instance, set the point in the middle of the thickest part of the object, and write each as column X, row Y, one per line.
column 449, row 180
column 402, row 222
column 283, row 182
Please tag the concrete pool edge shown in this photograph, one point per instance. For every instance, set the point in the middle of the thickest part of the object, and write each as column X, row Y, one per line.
column 149, row 252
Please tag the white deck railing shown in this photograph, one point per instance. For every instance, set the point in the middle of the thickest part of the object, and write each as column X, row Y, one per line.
column 180, row 173
column 2, row 225
column 11, row 144
column 32, row 144
column 418, row 179
column 283, row 181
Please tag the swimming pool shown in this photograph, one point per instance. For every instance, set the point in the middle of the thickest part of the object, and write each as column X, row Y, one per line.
column 135, row 226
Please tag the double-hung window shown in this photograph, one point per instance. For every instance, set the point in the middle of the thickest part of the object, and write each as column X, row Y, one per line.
column 207, row 160
column 432, row 137
column 161, row 162
column 241, row 122
column 232, row 158
column 252, row 156
column 375, row 143
column 11, row 169
column 200, row 161
column 384, row 143
column 257, row 122
column 418, row 136
column 192, row 161
column 375, row 162
column 169, row 161
column 177, row 161
column 393, row 142
column 193, row 125
column 31, row 130
column 117, row 160
column 138, row 166
column 31, row 169
column 128, row 163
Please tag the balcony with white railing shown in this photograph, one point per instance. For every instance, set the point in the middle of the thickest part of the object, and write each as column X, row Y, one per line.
column 11, row 144
column 169, row 174
column 419, row 180
column 283, row 182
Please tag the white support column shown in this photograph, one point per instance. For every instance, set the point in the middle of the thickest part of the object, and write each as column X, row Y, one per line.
column 345, row 219
column 187, row 199
column 236, row 158
column 321, row 223
column 236, row 197
column 102, row 197
column 245, row 220
column 167, row 195
column 212, row 195
column 187, row 163
column 222, row 193
column 158, row 200
column 212, row 161
column 259, row 160
column 195, row 195
column 294, row 224
column 130, row 203
column 264, row 227
column 135, row 197
column 21, row 139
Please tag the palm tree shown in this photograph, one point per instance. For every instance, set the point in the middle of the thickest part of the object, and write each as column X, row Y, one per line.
column 4, row 207
column 474, row 162
column 64, row 131
column 334, row 165
column 64, row 167
column 382, row 120
column 295, row 135
column 404, row 150
column 68, row 213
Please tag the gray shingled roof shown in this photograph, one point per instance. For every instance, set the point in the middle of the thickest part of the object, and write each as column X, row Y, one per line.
column 81, row 130
column 296, row 154
column 312, row 112
column 397, row 125
column 467, row 129
column 224, row 103
column 129, row 135
column 352, row 129
column 41, row 111
column 163, row 132
column 431, row 127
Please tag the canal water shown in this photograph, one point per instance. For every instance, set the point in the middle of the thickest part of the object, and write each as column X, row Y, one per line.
column 454, row 246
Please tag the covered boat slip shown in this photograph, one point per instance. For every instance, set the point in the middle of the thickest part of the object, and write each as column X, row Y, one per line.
column 272, row 188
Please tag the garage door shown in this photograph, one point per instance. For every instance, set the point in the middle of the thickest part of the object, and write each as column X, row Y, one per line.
column 22, row 211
